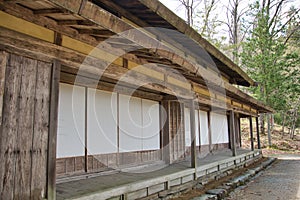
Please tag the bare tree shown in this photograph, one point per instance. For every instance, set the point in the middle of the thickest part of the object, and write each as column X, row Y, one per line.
column 207, row 18
column 190, row 7
column 234, row 16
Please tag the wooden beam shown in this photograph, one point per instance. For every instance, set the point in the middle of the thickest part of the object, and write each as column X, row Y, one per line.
column 27, row 15
column 232, row 133
column 257, row 132
column 180, row 24
column 86, row 81
column 25, row 27
column 13, row 41
column 45, row 12
column 75, row 22
column 54, row 95
column 251, row 133
column 96, row 32
column 193, row 135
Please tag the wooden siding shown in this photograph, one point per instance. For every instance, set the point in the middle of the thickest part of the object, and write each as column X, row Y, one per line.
column 24, row 128
column 103, row 162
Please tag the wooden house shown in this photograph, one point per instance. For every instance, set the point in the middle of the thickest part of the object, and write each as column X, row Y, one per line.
column 91, row 86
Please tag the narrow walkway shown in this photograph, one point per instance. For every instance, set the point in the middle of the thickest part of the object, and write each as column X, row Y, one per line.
column 78, row 188
column 281, row 181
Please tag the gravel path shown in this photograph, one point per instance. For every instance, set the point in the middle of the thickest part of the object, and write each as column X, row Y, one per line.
column 279, row 182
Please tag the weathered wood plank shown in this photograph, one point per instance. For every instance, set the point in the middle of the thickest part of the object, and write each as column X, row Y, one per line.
column 3, row 63
column 9, row 129
column 40, row 133
column 232, row 133
column 52, row 138
column 193, row 135
column 25, row 129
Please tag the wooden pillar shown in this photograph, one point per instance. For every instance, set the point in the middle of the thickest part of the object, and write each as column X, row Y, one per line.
column 240, row 131
column 193, row 135
column 251, row 133
column 257, row 133
column 86, row 130
column 209, row 131
column 232, row 133
column 54, row 95
column 165, row 131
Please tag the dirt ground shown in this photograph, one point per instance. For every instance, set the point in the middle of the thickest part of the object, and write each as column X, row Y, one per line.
column 280, row 181
column 281, row 143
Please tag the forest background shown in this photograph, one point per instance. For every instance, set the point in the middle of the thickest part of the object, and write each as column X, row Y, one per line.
column 263, row 38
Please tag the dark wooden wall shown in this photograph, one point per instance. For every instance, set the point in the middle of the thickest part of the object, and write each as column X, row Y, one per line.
column 102, row 162
column 24, row 92
column 173, row 138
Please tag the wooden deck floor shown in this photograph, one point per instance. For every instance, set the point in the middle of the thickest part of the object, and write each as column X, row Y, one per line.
column 83, row 188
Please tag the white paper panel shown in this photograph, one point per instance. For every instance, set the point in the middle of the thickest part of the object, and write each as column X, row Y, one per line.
column 150, row 133
column 204, row 128
column 187, row 125
column 71, row 114
column 219, row 128
column 102, row 122
column 130, row 123
column 197, row 127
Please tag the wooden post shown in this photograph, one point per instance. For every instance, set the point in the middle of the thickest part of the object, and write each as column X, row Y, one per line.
column 232, row 133
column 193, row 135
column 86, row 130
column 240, row 131
column 209, row 131
column 54, row 95
column 251, row 133
column 165, row 131
column 257, row 133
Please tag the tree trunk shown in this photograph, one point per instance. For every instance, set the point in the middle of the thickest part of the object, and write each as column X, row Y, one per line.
column 262, row 123
column 272, row 122
column 283, row 123
column 294, row 120
column 269, row 130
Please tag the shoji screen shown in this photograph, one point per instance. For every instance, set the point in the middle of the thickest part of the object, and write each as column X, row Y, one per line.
column 130, row 123
column 197, row 127
column 150, row 118
column 71, row 120
column 219, row 128
column 139, row 124
column 204, row 128
column 101, row 122
column 187, row 125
